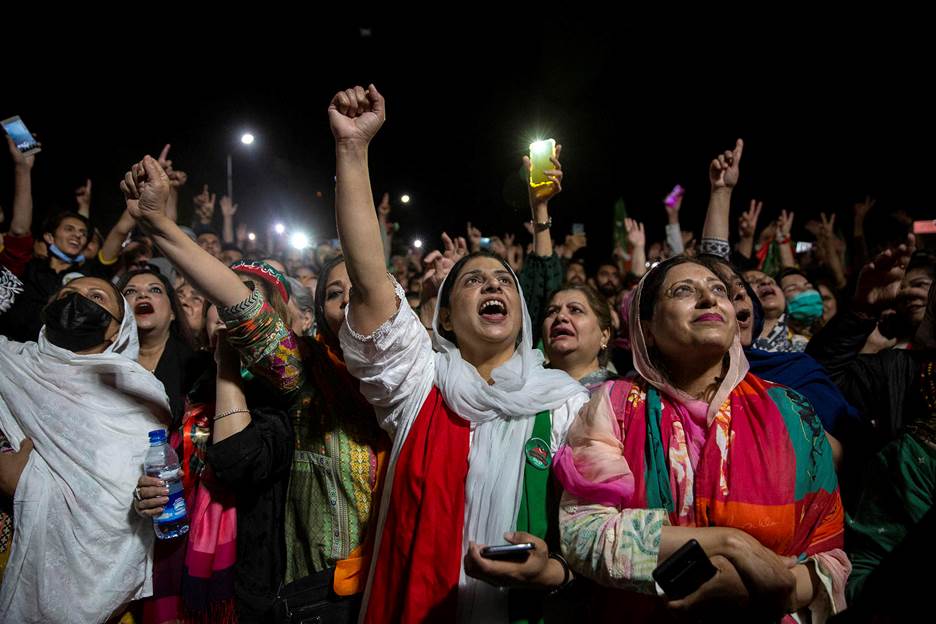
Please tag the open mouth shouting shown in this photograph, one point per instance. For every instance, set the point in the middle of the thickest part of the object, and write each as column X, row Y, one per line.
column 745, row 318
column 493, row 309
column 560, row 330
column 766, row 291
column 142, row 308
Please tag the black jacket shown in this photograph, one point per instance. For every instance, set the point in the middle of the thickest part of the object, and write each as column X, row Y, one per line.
column 884, row 386
column 254, row 465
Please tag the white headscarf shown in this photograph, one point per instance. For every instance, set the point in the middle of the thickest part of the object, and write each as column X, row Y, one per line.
column 501, row 417
column 79, row 551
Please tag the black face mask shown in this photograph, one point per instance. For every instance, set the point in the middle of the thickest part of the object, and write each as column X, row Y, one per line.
column 76, row 323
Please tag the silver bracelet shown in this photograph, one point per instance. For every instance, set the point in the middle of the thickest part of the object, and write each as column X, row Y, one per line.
column 233, row 411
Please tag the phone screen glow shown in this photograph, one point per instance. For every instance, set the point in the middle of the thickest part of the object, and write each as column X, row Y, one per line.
column 21, row 136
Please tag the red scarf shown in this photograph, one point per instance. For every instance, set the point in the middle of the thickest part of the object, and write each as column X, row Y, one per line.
column 419, row 562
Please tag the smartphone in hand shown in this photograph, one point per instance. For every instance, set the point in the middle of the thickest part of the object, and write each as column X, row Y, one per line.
column 508, row 551
column 541, row 154
column 674, row 196
column 25, row 142
column 684, row 571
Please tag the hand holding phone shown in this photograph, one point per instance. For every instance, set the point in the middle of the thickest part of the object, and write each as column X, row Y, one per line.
column 541, row 155
column 684, row 571
column 507, row 551
column 675, row 195
column 25, row 142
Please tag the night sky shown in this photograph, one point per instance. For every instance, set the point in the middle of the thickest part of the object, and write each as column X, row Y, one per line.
column 829, row 112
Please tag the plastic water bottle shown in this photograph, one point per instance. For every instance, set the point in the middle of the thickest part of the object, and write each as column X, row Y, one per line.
column 163, row 463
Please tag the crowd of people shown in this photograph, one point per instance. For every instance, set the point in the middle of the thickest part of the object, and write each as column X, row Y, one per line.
column 355, row 428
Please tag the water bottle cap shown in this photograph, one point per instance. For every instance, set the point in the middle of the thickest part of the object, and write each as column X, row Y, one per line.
column 157, row 437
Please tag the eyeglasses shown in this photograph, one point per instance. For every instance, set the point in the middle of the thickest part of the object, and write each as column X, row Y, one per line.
column 688, row 290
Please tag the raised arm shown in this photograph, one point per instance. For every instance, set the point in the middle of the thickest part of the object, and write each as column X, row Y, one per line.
column 673, row 228
column 723, row 176
column 146, row 187
column 747, row 227
column 355, row 116
column 83, row 199
column 228, row 210
column 110, row 250
column 539, row 204
column 638, row 240
column 177, row 179
column 784, row 238
column 21, row 222
column 827, row 240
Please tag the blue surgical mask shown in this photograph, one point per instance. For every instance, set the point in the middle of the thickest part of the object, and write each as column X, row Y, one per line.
column 64, row 257
column 805, row 308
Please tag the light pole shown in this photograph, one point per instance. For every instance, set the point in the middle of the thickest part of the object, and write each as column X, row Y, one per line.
column 246, row 139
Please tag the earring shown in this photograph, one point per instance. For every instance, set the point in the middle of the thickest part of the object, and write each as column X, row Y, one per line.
column 603, row 346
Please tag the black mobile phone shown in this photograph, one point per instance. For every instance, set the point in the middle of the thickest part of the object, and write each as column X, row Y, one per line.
column 684, row 571
column 507, row 551
column 22, row 137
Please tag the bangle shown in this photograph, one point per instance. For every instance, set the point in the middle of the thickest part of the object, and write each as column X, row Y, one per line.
column 233, row 411
column 784, row 241
column 542, row 227
column 567, row 571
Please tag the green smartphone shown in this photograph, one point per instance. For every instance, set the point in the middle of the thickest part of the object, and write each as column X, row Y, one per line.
column 541, row 153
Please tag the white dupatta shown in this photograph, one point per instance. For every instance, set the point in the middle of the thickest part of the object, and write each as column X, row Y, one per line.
column 501, row 417
column 79, row 550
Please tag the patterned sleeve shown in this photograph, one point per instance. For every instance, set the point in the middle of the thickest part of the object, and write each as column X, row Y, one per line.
column 266, row 346
column 601, row 536
column 617, row 548
column 715, row 247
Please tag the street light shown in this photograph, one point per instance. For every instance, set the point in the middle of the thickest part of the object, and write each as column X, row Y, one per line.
column 299, row 240
column 246, row 139
column 280, row 228
column 405, row 198
column 417, row 244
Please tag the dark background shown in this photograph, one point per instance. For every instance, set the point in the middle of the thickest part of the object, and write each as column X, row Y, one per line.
column 829, row 110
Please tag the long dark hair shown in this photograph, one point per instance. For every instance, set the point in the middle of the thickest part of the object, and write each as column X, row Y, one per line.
column 175, row 327
column 321, row 323
column 445, row 294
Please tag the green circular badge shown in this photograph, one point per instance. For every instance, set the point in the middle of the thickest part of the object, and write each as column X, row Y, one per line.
column 537, row 453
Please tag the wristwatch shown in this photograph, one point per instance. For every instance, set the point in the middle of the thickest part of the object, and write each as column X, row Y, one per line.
column 542, row 227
